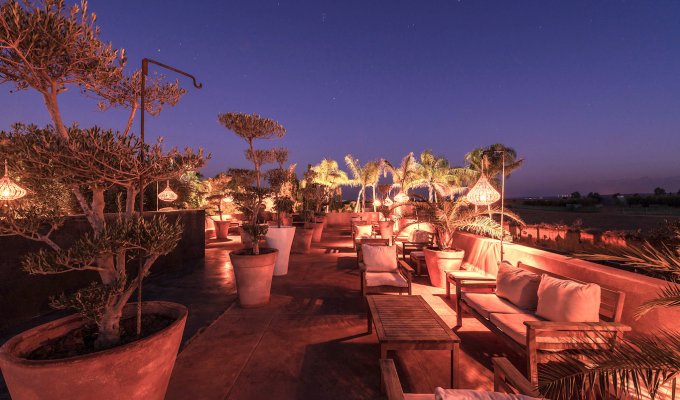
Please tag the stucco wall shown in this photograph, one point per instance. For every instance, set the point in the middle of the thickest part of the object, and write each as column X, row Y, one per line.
column 23, row 296
column 485, row 253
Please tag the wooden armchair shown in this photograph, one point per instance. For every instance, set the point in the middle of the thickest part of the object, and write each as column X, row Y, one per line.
column 507, row 379
column 405, row 247
column 384, row 281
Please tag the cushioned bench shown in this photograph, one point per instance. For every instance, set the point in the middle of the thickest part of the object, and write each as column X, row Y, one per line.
column 380, row 269
column 539, row 314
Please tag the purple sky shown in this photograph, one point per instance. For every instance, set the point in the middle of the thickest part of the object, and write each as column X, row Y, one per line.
column 588, row 92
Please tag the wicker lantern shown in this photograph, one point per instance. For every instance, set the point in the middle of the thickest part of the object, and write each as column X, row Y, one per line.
column 9, row 190
column 167, row 194
column 377, row 203
column 401, row 198
column 483, row 193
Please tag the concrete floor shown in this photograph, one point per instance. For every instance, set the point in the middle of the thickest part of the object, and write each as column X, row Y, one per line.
column 311, row 342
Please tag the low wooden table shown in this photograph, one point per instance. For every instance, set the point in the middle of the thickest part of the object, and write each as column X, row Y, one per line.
column 409, row 323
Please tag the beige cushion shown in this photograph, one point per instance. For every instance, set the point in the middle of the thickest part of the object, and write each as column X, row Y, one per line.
column 513, row 325
column 466, row 274
column 385, row 279
column 487, row 303
column 379, row 258
column 467, row 394
column 419, row 236
column 568, row 301
column 363, row 231
column 518, row 286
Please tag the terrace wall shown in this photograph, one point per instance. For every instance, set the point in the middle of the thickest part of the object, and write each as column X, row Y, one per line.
column 485, row 253
column 23, row 296
column 342, row 219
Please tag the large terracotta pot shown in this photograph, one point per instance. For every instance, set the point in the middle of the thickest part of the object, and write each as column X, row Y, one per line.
column 318, row 230
column 302, row 241
column 222, row 229
column 136, row 370
column 439, row 262
column 282, row 240
column 386, row 229
column 253, row 276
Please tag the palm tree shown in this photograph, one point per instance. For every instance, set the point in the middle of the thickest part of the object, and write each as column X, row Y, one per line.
column 363, row 176
column 373, row 176
column 406, row 175
column 638, row 364
column 494, row 160
column 329, row 175
column 437, row 175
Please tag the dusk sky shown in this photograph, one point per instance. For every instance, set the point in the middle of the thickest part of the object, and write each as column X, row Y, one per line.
column 587, row 92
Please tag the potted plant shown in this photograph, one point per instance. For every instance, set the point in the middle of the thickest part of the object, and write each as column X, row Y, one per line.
column 446, row 217
column 386, row 224
column 253, row 266
column 281, row 183
column 110, row 346
column 218, row 196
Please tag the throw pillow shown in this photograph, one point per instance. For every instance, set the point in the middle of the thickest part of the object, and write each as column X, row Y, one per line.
column 379, row 258
column 568, row 301
column 518, row 286
column 363, row 231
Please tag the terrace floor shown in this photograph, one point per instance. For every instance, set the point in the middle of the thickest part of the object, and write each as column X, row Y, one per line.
column 311, row 342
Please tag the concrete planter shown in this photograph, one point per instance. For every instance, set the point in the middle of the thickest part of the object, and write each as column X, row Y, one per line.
column 137, row 370
column 439, row 262
column 221, row 229
column 302, row 241
column 386, row 229
column 253, row 276
column 282, row 240
column 318, row 230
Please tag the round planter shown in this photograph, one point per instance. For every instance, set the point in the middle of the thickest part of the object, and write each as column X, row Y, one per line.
column 136, row 370
column 439, row 262
column 318, row 230
column 323, row 220
column 282, row 240
column 386, row 229
column 302, row 241
column 253, row 276
column 222, row 229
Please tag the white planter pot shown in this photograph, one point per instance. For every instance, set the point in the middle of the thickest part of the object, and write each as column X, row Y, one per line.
column 281, row 239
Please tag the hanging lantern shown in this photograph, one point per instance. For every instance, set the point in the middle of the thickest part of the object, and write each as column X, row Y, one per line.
column 483, row 193
column 8, row 189
column 377, row 203
column 228, row 199
column 167, row 194
column 388, row 202
column 401, row 198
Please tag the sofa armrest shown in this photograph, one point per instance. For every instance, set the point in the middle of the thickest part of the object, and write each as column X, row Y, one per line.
column 602, row 326
column 390, row 380
column 404, row 266
column 507, row 379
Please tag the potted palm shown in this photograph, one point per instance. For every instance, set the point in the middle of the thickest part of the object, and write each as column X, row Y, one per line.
column 253, row 266
column 280, row 236
column 109, row 347
column 446, row 217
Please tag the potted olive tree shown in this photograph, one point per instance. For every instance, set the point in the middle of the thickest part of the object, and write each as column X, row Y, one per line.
column 313, row 195
column 109, row 348
column 280, row 237
column 253, row 266
column 217, row 196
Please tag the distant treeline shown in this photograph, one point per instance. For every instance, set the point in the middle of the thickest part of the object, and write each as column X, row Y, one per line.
column 668, row 200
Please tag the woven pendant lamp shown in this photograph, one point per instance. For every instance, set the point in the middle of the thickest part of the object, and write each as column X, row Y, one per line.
column 9, row 190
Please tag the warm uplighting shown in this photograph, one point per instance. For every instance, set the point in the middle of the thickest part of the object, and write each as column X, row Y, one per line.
column 483, row 194
column 167, row 194
column 9, row 190
column 401, row 198
column 377, row 203
column 228, row 199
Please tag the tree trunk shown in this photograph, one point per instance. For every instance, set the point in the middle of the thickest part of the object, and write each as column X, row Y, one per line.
column 109, row 328
column 52, row 105
column 356, row 207
column 373, row 187
column 363, row 198
column 429, row 193
column 131, row 119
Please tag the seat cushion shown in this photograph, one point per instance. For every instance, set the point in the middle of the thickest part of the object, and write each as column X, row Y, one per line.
column 379, row 258
column 385, row 279
column 513, row 325
column 467, row 394
column 487, row 303
column 518, row 286
column 466, row 274
column 568, row 301
column 363, row 231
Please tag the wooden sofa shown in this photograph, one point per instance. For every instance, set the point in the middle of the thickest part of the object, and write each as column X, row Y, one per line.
column 538, row 339
column 506, row 380
column 401, row 282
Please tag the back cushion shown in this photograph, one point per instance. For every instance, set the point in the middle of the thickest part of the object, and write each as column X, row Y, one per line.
column 419, row 236
column 568, row 301
column 379, row 258
column 518, row 286
column 363, row 231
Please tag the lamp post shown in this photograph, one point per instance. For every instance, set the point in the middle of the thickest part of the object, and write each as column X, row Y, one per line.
column 483, row 194
column 145, row 72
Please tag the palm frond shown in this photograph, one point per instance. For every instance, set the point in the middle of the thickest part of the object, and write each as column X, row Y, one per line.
column 669, row 296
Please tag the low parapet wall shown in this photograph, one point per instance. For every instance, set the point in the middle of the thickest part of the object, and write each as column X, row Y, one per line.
column 485, row 254
column 342, row 219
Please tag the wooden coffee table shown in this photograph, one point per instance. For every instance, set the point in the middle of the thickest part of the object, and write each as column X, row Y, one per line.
column 409, row 323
